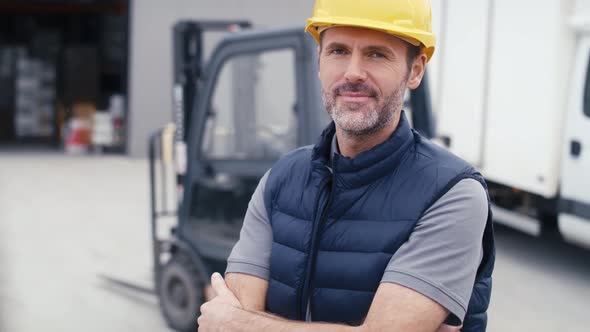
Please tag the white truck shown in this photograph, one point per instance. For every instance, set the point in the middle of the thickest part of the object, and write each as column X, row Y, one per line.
column 510, row 87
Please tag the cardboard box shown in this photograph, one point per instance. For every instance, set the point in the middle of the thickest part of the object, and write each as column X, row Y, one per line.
column 83, row 111
column 34, row 97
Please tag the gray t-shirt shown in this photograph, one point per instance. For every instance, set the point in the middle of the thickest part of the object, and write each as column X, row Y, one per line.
column 439, row 260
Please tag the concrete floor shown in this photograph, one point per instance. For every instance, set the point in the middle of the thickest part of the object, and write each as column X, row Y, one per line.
column 74, row 230
column 70, row 227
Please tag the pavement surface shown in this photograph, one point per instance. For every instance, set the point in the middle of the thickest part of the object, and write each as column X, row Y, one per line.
column 75, row 254
column 73, row 232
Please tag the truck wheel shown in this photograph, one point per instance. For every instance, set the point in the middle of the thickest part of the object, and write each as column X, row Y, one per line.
column 181, row 294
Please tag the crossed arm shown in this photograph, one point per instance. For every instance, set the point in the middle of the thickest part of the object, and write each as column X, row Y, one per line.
column 453, row 225
column 240, row 302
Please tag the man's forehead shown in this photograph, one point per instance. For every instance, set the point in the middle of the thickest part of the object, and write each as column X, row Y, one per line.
column 360, row 36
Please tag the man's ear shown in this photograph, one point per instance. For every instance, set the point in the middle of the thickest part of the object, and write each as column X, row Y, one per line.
column 417, row 71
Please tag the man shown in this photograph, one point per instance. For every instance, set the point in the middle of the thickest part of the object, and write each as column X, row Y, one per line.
column 374, row 228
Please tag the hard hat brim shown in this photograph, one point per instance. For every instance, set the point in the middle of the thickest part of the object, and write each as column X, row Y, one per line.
column 426, row 40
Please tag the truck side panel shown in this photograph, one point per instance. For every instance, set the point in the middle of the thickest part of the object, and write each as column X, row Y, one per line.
column 575, row 184
column 462, row 80
column 438, row 17
column 574, row 216
column 582, row 7
column 530, row 58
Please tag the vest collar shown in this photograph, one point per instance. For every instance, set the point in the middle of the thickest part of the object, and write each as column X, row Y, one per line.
column 367, row 166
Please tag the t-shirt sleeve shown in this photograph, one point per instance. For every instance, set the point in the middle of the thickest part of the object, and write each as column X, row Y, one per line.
column 251, row 254
column 441, row 257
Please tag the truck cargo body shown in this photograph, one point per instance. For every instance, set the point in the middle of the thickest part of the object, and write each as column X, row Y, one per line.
column 511, row 96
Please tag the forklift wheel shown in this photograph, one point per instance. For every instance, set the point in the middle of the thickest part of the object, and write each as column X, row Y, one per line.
column 181, row 294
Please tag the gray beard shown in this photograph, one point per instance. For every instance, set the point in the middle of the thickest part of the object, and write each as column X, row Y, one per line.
column 354, row 121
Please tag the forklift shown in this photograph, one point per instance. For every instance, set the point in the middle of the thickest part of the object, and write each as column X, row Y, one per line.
column 255, row 98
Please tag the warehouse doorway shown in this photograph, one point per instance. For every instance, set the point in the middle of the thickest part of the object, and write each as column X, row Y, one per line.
column 63, row 73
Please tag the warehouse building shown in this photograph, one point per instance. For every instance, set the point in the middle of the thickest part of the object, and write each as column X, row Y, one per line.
column 79, row 73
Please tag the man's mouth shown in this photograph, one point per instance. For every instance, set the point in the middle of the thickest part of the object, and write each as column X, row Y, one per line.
column 355, row 97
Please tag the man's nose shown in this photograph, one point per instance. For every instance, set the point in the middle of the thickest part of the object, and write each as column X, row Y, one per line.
column 354, row 71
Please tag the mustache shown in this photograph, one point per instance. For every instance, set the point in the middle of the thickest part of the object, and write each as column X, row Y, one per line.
column 355, row 87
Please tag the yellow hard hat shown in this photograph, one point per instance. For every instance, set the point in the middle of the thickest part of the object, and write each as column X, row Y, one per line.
column 410, row 20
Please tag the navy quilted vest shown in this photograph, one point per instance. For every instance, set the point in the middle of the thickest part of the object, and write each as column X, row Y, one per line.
column 335, row 232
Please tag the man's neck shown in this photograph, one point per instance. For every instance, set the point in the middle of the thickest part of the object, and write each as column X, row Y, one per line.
column 352, row 145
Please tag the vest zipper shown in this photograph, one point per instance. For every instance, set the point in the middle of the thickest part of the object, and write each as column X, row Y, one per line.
column 304, row 299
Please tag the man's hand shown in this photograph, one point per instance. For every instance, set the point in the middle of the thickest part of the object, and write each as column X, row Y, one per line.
column 219, row 312
column 449, row 328
column 225, row 313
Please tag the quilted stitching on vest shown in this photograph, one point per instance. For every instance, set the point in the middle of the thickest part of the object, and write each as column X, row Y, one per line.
column 377, row 199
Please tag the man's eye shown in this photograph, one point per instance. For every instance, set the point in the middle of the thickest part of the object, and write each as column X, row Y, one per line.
column 338, row 51
column 377, row 55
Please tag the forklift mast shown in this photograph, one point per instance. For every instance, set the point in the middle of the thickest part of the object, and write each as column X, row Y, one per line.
column 188, row 39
